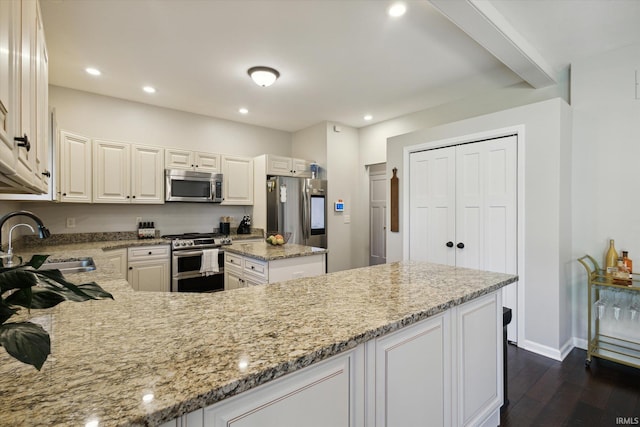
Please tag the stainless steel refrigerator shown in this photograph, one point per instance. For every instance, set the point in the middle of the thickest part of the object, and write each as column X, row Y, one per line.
column 298, row 206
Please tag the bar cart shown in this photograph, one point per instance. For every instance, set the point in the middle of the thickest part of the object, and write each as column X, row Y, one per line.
column 613, row 325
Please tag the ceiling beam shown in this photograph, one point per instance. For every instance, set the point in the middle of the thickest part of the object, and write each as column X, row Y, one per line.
column 488, row 27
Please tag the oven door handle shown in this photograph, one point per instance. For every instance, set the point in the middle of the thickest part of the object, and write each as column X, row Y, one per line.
column 180, row 254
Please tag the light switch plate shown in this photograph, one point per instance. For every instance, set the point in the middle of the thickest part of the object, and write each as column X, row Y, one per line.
column 347, row 219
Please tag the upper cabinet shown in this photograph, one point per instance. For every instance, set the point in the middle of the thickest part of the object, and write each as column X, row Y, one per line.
column 127, row 173
column 192, row 160
column 287, row 166
column 74, row 168
column 24, row 156
column 237, row 173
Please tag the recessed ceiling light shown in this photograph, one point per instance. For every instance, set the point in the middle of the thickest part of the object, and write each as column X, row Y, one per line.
column 243, row 111
column 368, row 117
column 93, row 71
column 397, row 9
column 149, row 89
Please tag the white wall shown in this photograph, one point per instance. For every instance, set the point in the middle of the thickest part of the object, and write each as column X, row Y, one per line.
column 5, row 208
column 547, row 207
column 311, row 144
column 605, row 157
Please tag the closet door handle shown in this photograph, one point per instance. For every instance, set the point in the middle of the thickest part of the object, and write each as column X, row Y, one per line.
column 449, row 244
column 460, row 245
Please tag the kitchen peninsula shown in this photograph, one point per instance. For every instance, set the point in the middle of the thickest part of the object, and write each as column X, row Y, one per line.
column 297, row 348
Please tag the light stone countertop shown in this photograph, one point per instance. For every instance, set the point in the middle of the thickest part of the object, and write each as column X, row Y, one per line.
column 185, row 348
column 267, row 252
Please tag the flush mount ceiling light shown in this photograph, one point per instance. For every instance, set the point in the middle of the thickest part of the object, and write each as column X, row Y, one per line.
column 397, row 9
column 368, row 117
column 263, row 76
column 149, row 89
column 93, row 71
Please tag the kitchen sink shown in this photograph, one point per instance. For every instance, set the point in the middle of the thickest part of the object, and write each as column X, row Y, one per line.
column 70, row 266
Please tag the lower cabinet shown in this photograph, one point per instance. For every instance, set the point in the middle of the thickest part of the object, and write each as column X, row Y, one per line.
column 149, row 268
column 442, row 371
column 118, row 257
column 241, row 271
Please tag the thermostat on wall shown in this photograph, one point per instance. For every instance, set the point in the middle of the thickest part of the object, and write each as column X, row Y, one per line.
column 338, row 206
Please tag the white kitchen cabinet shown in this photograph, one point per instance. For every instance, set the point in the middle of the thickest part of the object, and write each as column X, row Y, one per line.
column 24, row 117
column 413, row 374
column 75, row 174
column 478, row 363
column 287, row 166
column 237, row 174
column 240, row 271
column 192, row 160
column 463, row 209
column 148, row 268
column 329, row 393
column 118, row 258
column 127, row 173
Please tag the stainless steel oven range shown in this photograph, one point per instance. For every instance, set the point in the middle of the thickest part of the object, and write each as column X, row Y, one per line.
column 186, row 260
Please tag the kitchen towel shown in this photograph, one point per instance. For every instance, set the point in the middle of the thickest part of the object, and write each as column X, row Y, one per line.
column 209, row 264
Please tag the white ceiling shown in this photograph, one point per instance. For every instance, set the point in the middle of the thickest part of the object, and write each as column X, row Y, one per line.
column 338, row 60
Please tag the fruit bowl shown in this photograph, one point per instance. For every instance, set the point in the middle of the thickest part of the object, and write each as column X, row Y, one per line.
column 277, row 239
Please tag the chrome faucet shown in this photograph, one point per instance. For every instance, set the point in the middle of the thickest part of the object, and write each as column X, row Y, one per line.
column 9, row 262
column 43, row 232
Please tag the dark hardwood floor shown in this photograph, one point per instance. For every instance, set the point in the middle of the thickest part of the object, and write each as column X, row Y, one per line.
column 545, row 392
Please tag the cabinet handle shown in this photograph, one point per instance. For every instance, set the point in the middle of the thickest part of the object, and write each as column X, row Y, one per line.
column 130, row 268
column 253, row 267
column 449, row 244
column 127, row 197
column 64, row 194
column 23, row 142
column 47, row 174
column 134, row 197
column 150, row 252
column 460, row 245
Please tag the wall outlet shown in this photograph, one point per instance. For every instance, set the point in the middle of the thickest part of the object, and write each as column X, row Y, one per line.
column 71, row 222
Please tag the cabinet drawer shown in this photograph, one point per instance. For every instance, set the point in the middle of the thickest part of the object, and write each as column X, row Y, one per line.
column 232, row 260
column 147, row 252
column 255, row 267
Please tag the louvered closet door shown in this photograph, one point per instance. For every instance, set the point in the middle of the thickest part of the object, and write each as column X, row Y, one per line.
column 463, row 202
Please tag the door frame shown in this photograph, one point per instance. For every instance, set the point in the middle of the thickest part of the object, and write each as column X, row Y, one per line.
column 519, row 131
column 377, row 170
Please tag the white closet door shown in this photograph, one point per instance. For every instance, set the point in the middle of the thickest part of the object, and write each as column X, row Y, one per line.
column 432, row 206
column 467, row 194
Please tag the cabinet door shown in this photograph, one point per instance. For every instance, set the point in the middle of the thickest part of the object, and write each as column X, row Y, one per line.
column 479, row 359
column 27, row 125
column 232, row 279
column 301, row 168
column 147, row 171
column 150, row 275
column 413, row 375
column 75, row 172
column 118, row 258
column 41, row 144
column 207, row 162
column 319, row 396
column 111, row 172
column 8, row 75
column 238, row 180
column 277, row 165
column 178, row 159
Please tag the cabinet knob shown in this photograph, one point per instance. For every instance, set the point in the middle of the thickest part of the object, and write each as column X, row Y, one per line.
column 150, row 252
column 130, row 268
column 449, row 244
column 253, row 267
column 134, row 197
column 127, row 197
column 23, row 141
column 460, row 245
column 64, row 194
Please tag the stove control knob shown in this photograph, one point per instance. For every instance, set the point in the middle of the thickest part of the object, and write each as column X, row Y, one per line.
column 189, row 243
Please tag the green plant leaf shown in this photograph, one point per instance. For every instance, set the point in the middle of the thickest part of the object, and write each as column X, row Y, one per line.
column 94, row 290
column 6, row 312
column 36, row 261
column 40, row 298
column 27, row 342
column 17, row 278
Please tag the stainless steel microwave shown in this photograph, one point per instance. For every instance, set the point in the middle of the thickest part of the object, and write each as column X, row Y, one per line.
column 189, row 186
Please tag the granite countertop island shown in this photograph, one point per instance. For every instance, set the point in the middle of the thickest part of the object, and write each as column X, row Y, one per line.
column 267, row 252
column 145, row 358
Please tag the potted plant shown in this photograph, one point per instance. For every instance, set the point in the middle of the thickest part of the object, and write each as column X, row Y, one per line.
column 27, row 286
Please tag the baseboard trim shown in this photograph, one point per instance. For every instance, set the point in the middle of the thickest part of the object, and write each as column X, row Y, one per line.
column 546, row 351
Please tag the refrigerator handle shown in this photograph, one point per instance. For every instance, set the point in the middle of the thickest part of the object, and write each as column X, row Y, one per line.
column 306, row 214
